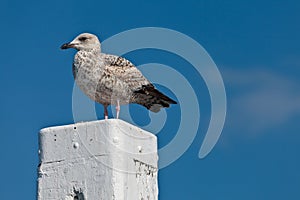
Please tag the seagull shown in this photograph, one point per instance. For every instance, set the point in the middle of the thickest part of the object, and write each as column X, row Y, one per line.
column 110, row 79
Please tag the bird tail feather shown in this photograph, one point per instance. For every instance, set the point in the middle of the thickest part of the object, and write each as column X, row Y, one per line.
column 149, row 97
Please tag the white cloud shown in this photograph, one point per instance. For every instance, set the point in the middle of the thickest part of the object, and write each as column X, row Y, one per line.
column 259, row 100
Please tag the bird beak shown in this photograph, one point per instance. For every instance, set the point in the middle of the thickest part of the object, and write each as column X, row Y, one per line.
column 67, row 46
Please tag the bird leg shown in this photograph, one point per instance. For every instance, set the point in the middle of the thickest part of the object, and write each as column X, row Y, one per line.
column 118, row 108
column 105, row 112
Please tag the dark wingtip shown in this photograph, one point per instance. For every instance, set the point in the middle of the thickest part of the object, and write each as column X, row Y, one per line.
column 173, row 102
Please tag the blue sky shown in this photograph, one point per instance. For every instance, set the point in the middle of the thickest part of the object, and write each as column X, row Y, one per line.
column 255, row 44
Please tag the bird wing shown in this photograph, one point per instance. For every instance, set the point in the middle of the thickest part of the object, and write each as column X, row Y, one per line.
column 144, row 93
column 124, row 70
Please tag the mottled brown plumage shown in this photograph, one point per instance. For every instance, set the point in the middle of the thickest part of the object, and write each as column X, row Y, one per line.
column 110, row 79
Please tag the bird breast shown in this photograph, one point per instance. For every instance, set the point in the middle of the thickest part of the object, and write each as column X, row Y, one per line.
column 96, row 80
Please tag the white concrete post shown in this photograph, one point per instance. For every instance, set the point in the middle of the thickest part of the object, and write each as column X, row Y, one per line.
column 107, row 159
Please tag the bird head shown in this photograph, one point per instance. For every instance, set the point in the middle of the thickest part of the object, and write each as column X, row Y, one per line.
column 84, row 41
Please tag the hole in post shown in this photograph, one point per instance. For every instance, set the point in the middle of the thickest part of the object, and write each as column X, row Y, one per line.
column 78, row 195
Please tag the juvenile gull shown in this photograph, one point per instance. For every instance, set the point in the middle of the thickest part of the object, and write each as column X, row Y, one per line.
column 112, row 80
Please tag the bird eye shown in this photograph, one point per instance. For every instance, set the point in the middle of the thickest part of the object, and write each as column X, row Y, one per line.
column 82, row 38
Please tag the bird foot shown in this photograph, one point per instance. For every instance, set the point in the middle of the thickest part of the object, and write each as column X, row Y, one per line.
column 105, row 112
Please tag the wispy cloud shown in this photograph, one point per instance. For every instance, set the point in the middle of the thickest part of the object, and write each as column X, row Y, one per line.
column 259, row 100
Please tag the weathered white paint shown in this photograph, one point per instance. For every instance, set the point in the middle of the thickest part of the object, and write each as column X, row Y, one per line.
column 107, row 159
